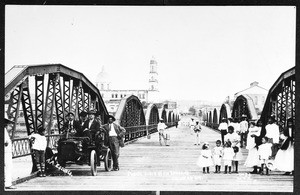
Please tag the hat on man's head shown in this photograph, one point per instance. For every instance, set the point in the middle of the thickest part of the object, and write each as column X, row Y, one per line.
column 112, row 117
column 161, row 119
column 92, row 112
column 83, row 114
column 70, row 113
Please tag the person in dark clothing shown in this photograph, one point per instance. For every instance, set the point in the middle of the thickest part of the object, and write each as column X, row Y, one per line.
column 115, row 135
column 71, row 128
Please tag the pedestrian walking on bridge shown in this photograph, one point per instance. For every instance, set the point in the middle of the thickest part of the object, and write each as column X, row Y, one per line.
column 161, row 126
column 197, row 130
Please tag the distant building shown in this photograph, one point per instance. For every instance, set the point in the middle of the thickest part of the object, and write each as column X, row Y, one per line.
column 112, row 97
column 258, row 94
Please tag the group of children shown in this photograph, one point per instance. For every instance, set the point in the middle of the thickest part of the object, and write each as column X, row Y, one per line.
column 228, row 152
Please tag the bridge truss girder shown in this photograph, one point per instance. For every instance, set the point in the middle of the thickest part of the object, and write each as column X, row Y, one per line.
column 280, row 101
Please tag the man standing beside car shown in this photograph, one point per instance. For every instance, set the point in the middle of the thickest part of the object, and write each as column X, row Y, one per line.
column 115, row 136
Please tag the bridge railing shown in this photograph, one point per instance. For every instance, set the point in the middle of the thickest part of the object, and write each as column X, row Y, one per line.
column 21, row 146
column 135, row 132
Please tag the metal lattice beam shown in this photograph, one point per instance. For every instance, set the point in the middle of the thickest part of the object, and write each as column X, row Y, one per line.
column 27, row 108
column 39, row 100
column 66, row 94
column 60, row 114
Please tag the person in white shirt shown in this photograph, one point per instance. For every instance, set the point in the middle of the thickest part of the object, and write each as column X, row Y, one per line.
column 192, row 125
column 161, row 126
column 272, row 132
column 197, row 130
column 243, row 130
column 252, row 145
column 115, row 135
column 7, row 156
column 223, row 127
column 39, row 144
column 264, row 152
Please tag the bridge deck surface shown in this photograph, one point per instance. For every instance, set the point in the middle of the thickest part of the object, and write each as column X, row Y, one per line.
column 145, row 165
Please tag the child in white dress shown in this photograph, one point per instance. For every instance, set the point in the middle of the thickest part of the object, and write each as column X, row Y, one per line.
column 265, row 153
column 228, row 155
column 217, row 156
column 205, row 158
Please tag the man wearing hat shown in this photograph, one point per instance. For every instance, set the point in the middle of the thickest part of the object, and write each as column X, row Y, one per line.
column 115, row 135
column 82, row 119
column 71, row 127
column 92, row 126
column 243, row 130
column 7, row 156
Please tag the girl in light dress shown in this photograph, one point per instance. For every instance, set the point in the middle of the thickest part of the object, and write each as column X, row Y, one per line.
column 228, row 155
column 234, row 139
column 217, row 156
column 252, row 146
column 264, row 152
column 205, row 158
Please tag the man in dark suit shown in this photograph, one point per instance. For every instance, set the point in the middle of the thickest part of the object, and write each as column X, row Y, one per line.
column 71, row 128
column 91, row 127
column 82, row 119
column 115, row 135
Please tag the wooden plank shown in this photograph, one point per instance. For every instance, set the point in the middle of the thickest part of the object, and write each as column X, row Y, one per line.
column 145, row 165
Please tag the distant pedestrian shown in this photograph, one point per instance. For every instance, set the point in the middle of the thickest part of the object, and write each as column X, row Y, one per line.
column 243, row 130
column 197, row 130
column 284, row 160
column 272, row 132
column 7, row 156
column 192, row 125
column 252, row 146
column 228, row 155
column 39, row 144
column 264, row 152
column 217, row 156
column 161, row 126
column 205, row 158
column 223, row 127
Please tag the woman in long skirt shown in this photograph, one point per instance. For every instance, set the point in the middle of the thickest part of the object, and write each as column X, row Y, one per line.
column 284, row 160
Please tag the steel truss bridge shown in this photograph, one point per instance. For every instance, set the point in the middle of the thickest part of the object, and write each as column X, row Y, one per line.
column 46, row 93
column 280, row 102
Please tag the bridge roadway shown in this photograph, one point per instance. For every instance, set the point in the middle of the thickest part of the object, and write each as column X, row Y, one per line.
column 145, row 165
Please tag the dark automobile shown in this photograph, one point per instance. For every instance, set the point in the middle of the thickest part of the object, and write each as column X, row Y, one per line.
column 81, row 150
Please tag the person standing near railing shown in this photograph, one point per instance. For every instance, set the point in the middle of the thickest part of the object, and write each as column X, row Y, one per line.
column 7, row 156
column 39, row 144
column 115, row 139
column 161, row 126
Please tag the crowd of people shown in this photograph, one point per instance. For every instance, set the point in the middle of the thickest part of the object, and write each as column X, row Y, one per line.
column 269, row 148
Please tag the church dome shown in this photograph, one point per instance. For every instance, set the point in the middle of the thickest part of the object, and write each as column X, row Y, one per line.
column 103, row 78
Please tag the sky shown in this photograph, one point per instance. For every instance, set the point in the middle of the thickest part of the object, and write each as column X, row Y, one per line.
column 203, row 52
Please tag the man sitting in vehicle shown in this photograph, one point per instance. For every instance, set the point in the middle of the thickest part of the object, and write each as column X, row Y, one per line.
column 91, row 127
column 71, row 128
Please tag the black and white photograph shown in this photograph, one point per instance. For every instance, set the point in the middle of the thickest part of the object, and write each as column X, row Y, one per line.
column 150, row 99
